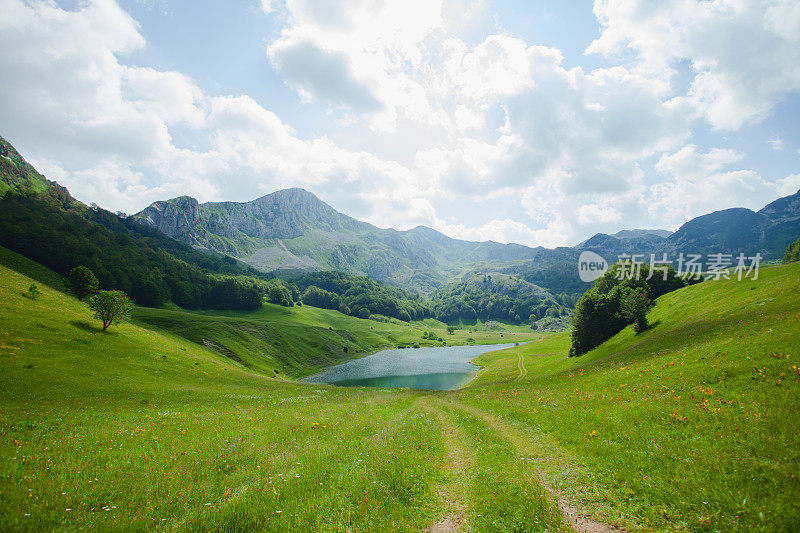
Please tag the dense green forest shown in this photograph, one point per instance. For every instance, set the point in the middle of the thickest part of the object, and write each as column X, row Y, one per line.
column 360, row 296
column 602, row 311
column 498, row 297
column 792, row 253
column 55, row 230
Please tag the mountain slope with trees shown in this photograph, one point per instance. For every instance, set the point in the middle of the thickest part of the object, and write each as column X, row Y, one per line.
column 293, row 231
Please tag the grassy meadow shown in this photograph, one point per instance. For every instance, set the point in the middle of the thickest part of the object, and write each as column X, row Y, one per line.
column 298, row 341
column 691, row 425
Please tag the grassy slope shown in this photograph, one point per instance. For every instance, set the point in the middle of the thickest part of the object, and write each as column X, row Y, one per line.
column 684, row 426
column 151, row 426
column 692, row 424
column 140, row 429
column 299, row 341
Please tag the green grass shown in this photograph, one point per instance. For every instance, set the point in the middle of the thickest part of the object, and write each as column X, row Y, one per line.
column 690, row 425
column 299, row 341
column 137, row 429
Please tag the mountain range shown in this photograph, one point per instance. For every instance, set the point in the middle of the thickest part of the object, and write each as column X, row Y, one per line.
column 292, row 230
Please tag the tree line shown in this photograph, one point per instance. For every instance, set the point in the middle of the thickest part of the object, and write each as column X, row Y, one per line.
column 614, row 301
column 55, row 230
column 502, row 298
column 359, row 296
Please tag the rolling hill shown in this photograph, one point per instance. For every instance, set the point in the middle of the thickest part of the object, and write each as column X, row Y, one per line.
column 690, row 425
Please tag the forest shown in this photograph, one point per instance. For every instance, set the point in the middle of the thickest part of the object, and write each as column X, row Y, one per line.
column 59, row 232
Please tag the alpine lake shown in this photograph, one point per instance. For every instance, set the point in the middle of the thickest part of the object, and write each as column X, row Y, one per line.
column 437, row 368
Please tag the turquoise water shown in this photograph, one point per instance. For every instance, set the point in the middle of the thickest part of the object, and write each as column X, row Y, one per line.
column 446, row 368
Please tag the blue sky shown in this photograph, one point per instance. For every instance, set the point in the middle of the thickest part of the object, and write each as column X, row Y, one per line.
column 519, row 121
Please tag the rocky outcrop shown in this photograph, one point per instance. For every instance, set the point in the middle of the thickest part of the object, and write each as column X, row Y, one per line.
column 177, row 218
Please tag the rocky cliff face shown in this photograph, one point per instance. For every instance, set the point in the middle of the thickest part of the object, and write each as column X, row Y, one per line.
column 235, row 228
column 176, row 218
column 294, row 230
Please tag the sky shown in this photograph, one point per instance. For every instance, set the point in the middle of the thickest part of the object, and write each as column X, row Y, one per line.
column 540, row 123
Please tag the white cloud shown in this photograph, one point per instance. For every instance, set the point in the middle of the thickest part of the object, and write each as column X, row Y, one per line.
column 697, row 183
column 268, row 6
column 687, row 164
column 171, row 96
column 505, row 231
column 425, row 116
column 776, row 143
column 743, row 54
column 317, row 73
column 591, row 214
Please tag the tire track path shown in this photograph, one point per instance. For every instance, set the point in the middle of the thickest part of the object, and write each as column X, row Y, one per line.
column 453, row 494
column 577, row 518
column 521, row 366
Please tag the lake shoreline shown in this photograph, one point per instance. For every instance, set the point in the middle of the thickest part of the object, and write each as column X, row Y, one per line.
column 428, row 368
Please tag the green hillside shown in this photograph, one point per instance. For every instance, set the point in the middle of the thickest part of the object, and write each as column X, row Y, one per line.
column 298, row 341
column 692, row 424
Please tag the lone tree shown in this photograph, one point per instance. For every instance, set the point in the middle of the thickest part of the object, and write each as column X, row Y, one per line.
column 110, row 307
column 82, row 282
column 634, row 306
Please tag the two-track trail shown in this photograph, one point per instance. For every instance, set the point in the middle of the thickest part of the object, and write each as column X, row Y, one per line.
column 485, row 456
column 574, row 516
column 521, row 366
column 453, row 493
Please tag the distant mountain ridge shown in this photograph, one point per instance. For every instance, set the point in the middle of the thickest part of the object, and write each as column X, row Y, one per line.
column 294, row 231
column 768, row 231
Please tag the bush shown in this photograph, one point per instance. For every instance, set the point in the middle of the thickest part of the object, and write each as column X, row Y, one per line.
column 280, row 294
column 33, row 292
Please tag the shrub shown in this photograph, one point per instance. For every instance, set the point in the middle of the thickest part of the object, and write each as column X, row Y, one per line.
column 33, row 292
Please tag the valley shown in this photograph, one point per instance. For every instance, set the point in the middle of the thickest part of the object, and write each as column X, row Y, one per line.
column 143, row 427
column 209, row 409
column 392, row 266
